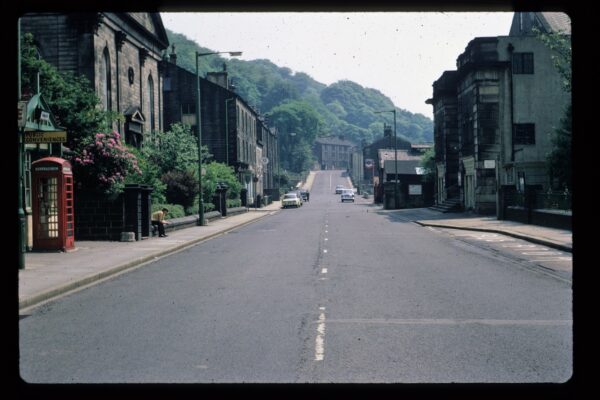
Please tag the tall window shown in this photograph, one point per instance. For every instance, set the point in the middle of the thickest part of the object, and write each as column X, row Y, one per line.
column 106, row 81
column 524, row 133
column 522, row 63
column 151, row 102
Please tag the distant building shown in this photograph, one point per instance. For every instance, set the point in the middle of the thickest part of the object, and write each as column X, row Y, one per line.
column 333, row 152
column 494, row 115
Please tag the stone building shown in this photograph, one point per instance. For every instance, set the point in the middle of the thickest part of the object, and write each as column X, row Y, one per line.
column 495, row 114
column 333, row 152
column 119, row 53
column 232, row 130
column 371, row 153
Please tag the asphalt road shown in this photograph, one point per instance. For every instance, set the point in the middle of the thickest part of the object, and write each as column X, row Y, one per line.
column 328, row 292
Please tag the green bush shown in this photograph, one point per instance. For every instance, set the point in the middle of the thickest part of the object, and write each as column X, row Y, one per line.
column 150, row 175
column 232, row 203
column 175, row 210
column 182, row 187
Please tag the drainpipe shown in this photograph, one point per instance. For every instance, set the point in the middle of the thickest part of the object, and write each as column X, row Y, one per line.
column 20, row 152
column 227, row 129
column 510, row 49
column 118, row 48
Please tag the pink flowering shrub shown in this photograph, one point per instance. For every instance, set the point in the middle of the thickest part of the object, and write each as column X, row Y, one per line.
column 103, row 163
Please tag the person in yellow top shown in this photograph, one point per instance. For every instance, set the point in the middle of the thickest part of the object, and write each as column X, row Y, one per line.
column 158, row 219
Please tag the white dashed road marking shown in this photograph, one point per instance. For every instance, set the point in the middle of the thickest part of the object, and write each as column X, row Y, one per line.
column 320, row 339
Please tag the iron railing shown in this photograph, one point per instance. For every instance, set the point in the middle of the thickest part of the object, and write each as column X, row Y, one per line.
column 540, row 200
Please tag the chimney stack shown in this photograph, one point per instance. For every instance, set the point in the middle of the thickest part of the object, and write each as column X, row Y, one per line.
column 173, row 56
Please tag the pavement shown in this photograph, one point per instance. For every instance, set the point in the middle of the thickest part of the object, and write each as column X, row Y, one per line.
column 48, row 275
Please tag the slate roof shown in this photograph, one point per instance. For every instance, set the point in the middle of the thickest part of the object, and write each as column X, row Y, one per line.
column 548, row 22
column 556, row 21
column 403, row 155
column 405, row 167
column 334, row 140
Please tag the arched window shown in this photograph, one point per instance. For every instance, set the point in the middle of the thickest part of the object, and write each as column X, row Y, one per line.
column 106, row 81
column 151, row 102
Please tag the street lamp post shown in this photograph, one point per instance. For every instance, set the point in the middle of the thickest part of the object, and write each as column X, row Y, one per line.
column 396, row 205
column 201, row 221
column 279, row 156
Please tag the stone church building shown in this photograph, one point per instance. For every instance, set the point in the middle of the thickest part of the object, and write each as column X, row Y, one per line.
column 120, row 53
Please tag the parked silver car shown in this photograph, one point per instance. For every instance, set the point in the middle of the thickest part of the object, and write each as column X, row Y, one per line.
column 347, row 195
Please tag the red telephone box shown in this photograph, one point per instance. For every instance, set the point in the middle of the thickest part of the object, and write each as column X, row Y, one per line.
column 53, row 219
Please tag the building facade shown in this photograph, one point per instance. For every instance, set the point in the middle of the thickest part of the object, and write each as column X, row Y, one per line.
column 231, row 129
column 119, row 53
column 494, row 115
column 333, row 152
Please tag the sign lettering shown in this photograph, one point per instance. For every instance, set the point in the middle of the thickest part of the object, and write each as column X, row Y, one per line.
column 46, row 137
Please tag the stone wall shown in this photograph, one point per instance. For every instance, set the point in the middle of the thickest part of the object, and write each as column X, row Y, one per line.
column 98, row 217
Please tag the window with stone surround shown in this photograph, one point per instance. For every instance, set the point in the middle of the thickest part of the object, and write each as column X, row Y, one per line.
column 522, row 63
column 524, row 133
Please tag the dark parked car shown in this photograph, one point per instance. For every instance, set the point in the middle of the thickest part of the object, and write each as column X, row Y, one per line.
column 304, row 194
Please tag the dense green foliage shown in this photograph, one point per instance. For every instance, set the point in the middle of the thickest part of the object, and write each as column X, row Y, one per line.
column 559, row 161
column 71, row 98
column 181, row 187
column 428, row 163
column 344, row 108
column 298, row 124
column 219, row 172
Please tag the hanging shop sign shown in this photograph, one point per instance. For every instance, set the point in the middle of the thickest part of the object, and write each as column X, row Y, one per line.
column 45, row 137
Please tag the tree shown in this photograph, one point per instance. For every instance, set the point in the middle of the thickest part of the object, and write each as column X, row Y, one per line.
column 174, row 150
column 181, row 188
column 559, row 160
column 428, row 164
column 220, row 172
column 299, row 118
column 560, row 44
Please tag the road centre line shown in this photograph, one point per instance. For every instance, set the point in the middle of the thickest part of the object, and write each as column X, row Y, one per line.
column 320, row 338
column 542, row 253
column 451, row 321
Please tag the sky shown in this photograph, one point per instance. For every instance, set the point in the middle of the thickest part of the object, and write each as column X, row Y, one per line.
column 400, row 54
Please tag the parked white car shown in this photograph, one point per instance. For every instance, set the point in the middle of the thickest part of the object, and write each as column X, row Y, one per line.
column 291, row 200
column 347, row 195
